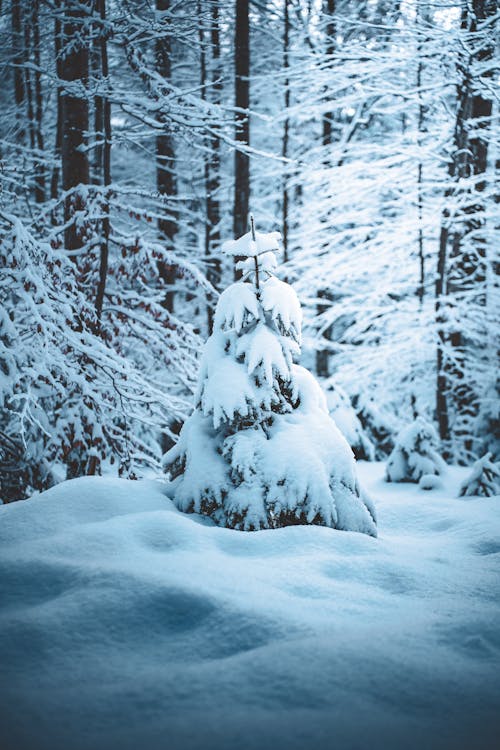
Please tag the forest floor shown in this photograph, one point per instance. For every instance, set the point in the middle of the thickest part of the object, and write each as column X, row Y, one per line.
column 126, row 624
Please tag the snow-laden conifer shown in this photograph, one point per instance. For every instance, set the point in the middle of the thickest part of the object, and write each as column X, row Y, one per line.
column 260, row 449
column 76, row 396
column 415, row 454
column 343, row 414
column 484, row 479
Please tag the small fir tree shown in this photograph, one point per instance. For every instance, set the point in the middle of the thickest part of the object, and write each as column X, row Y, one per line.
column 484, row 479
column 260, row 450
column 346, row 419
column 415, row 454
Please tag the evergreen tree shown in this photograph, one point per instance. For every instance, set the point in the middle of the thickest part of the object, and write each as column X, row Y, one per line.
column 484, row 479
column 415, row 454
column 260, row 450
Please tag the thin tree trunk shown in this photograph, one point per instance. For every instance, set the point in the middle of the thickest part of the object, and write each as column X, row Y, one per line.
column 38, row 123
column 54, row 181
column 105, row 107
column 322, row 355
column 203, row 85
column 420, row 125
column 329, row 10
column 96, row 64
column 166, row 182
column 286, row 128
column 18, row 61
column 213, row 203
column 441, row 379
column 211, row 74
column 27, row 85
column 75, row 111
column 242, row 119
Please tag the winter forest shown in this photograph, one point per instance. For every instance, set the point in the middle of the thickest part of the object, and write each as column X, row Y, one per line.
column 249, row 282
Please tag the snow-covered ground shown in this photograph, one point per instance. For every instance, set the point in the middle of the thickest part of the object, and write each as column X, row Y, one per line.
column 126, row 624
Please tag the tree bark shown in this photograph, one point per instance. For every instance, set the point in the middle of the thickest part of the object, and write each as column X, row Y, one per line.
column 74, row 110
column 18, row 61
column 420, row 168
column 213, row 203
column 461, row 272
column 166, row 181
column 329, row 10
column 105, row 136
column 242, row 119
column 38, row 123
column 54, row 181
column 322, row 355
column 286, row 128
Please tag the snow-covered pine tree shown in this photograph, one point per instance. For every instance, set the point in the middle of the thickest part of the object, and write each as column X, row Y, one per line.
column 346, row 419
column 260, row 449
column 415, row 454
column 484, row 479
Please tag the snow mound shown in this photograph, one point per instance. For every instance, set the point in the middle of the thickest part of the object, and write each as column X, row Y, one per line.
column 126, row 623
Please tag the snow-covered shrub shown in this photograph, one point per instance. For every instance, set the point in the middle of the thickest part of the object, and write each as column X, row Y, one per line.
column 346, row 419
column 260, row 450
column 415, row 453
column 74, row 394
column 484, row 479
column 378, row 426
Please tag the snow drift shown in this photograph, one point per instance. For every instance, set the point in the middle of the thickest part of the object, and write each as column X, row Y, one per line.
column 125, row 623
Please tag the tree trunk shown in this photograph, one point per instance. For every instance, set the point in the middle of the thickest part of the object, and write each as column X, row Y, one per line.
column 74, row 110
column 329, row 10
column 105, row 136
column 213, row 203
column 38, row 124
column 18, row 61
column 166, row 181
column 242, row 119
column 54, row 181
column 462, row 253
column 420, row 169
column 322, row 355
column 286, row 128
column 210, row 73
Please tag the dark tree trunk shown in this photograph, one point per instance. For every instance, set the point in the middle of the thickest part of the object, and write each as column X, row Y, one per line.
column 54, row 181
column 286, row 129
column 461, row 269
column 27, row 83
column 213, row 208
column 74, row 110
column 420, row 169
column 441, row 379
column 105, row 159
column 329, row 10
column 166, row 181
column 322, row 355
column 98, row 150
column 18, row 61
column 213, row 204
column 242, row 119
column 210, row 73
column 38, row 122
